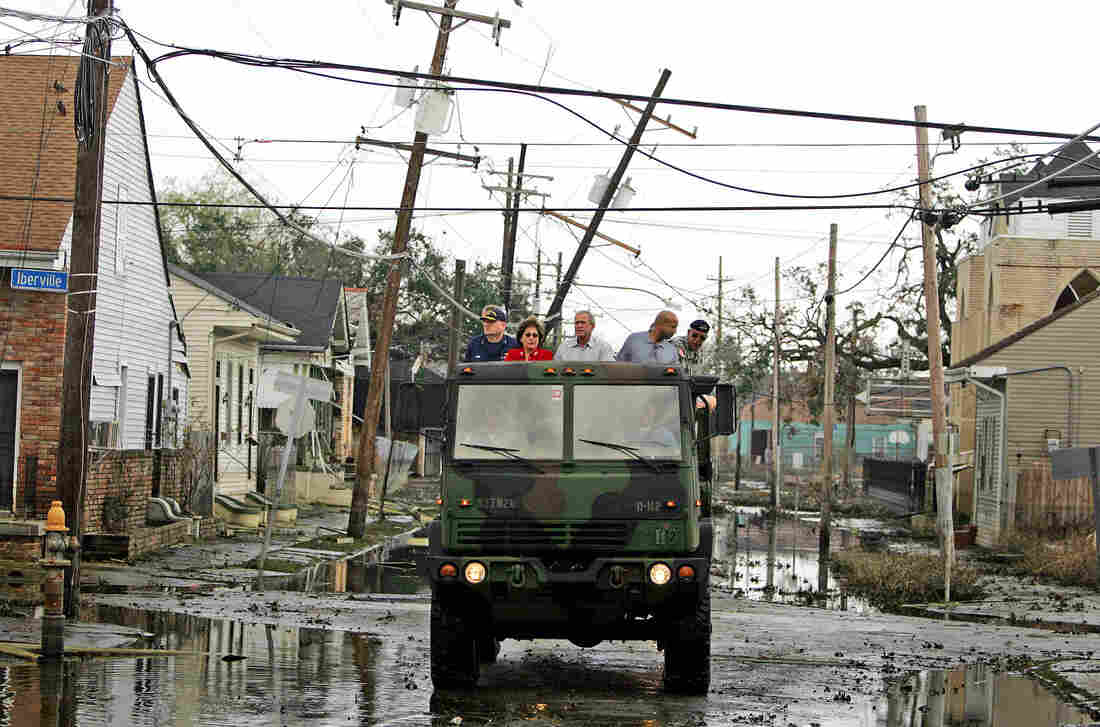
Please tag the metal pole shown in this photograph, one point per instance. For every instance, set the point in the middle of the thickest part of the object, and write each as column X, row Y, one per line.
column 944, row 495
column 456, row 317
column 357, row 519
column 1094, row 477
column 825, row 529
column 299, row 400
column 608, row 195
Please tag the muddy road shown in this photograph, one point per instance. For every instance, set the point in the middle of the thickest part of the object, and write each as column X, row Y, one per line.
column 339, row 659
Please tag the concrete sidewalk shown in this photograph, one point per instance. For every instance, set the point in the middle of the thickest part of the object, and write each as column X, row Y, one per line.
column 223, row 561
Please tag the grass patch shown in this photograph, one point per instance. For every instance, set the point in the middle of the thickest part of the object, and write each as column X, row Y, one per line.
column 1068, row 561
column 376, row 533
column 889, row 580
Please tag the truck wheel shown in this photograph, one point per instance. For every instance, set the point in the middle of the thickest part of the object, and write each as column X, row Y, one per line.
column 487, row 649
column 687, row 652
column 454, row 648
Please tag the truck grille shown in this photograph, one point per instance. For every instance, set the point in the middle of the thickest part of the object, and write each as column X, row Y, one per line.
column 592, row 535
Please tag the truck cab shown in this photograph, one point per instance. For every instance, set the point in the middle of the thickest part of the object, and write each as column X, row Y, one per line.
column 575, row 504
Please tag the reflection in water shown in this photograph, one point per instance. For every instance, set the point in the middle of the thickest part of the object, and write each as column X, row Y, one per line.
column 974, row 696
column 761, row 560
column 293, row 676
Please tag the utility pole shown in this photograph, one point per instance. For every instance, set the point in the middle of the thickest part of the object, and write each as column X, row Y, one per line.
column 357, row 520
column 605, row 203
column 849, row 460
column 456, row 316
column 510, row 244
column 944, row 496
column 507, row 253
column 825, row 528
column 76, row 382
column 557, row 287
column 538, row 281
column 777, row 437
column 718, row 326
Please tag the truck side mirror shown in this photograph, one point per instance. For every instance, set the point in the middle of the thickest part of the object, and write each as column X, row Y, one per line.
column 726, row 410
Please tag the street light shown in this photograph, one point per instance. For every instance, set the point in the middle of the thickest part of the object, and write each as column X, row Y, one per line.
column 665, row 301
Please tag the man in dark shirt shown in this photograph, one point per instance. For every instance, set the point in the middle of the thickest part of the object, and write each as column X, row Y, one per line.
column 494, row 342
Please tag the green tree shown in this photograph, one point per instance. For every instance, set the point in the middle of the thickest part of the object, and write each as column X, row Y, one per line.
column 211, row 238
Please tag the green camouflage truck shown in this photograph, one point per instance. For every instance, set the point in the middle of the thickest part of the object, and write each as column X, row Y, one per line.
column 575, row 504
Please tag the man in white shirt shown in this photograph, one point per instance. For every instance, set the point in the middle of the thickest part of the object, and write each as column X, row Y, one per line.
column 584, row 346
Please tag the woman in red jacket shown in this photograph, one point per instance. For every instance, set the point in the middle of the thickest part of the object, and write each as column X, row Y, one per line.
column 530, row 335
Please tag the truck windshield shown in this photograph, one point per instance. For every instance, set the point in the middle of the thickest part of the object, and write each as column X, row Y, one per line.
column 640, row 419
column 527, row 420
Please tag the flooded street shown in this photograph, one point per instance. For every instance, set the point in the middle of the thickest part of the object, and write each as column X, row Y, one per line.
column 362, row 657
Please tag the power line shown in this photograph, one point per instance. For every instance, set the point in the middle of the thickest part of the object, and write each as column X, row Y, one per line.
column 481, row 84
column 397, row 208
column 529, row 90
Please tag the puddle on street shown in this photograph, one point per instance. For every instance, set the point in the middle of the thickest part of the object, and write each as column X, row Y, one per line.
column 743, row 566
column 300, row 676
column 975, row 696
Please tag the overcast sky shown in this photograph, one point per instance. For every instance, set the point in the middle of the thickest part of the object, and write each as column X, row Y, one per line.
column 977, row 62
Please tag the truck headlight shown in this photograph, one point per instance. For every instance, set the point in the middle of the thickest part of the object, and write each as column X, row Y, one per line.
column 659, row 574
column 475, row 572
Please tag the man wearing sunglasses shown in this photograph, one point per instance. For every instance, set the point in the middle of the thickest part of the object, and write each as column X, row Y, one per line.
column 691, row 345
column 494, row 343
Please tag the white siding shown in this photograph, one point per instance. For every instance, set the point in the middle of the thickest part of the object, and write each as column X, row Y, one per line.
column 132, row 305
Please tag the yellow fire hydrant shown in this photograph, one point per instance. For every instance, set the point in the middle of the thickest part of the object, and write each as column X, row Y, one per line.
column 54, row 560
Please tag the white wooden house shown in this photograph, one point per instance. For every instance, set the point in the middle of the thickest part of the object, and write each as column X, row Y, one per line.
column 137, row 348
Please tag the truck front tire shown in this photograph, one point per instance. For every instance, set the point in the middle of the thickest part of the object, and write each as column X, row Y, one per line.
column 687, row 651
column 455, row 662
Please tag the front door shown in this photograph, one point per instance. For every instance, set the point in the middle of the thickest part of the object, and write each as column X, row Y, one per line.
column 9, row 391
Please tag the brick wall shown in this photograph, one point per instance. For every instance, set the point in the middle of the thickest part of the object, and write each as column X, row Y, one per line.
column 32, row 328
column 20, row 548
column 124, row 474
column 145, row 540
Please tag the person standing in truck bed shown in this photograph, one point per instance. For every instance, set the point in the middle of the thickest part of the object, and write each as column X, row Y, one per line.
column 494, row 343
column 653, row 346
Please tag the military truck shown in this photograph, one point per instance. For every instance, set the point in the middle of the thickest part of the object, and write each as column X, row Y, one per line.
column 575, row 504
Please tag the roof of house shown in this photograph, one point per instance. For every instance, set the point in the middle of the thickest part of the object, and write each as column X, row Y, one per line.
column 1072, row 153
column 1026, row 331
column 38, row 147
column 309, row 305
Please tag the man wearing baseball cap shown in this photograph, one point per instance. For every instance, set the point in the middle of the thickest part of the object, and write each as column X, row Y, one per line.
column 494, row 343
column 691, row 345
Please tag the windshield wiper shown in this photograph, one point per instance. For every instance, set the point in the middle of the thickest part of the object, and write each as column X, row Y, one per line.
column 507, row 452
column 632, row 451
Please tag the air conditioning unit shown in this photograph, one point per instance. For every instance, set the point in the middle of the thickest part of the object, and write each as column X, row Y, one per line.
column 103, row 434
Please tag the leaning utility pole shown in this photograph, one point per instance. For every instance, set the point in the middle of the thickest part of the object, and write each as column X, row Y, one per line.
column 357, row 520
column 76, row 382
column 825, row 529
column 509, row 257
column 605, row 202
column 508, row 253
column 777, row 439
column 944, row 496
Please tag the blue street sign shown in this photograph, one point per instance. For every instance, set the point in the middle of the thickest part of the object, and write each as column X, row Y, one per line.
column 49, row 281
